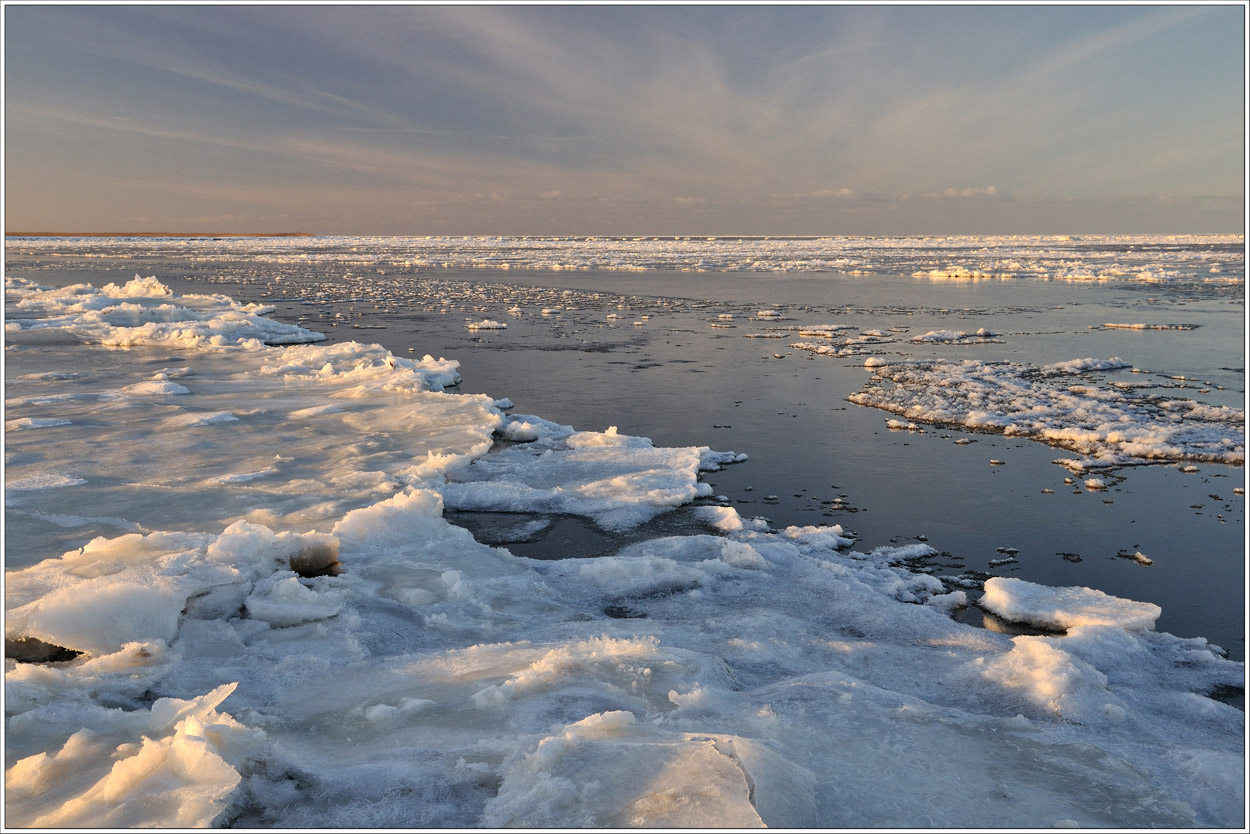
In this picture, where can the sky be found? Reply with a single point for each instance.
(627, 120)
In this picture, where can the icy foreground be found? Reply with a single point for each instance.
(736, 676)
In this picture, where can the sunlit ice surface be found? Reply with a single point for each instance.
(247, 545)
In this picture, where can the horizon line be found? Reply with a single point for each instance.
(673, 236)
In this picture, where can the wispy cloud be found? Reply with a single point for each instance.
(586, 114)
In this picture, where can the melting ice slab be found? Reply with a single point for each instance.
(1064, 608)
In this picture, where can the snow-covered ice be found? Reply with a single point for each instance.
(290, 633)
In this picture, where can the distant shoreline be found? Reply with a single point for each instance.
(159, 234)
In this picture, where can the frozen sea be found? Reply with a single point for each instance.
(914, 516)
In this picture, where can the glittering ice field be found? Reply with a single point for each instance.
(234, 595)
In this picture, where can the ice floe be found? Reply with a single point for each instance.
(1140, 326)
(958, 337)
(1064, 608)
(619, 481)
(486, 324)
(1046, 404)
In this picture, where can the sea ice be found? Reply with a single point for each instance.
(958, 337)
(168, 767)
(86, 314)
(750, 677)
(1213, 259)
(1141, 326)
(618, 480)
(1064, 608)
(1044, 404)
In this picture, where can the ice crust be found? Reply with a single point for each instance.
(741, 677)
(1047, 404)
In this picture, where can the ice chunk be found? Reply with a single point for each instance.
(981, 336)
(172, 767)
(599, 772)
(139, 587)
(742, 555)
(284, 601)
(1064, 608)
(137, 287)
(99, 617)
(1078, 366)
(619, 480)
(727, 519)
(1053, 682)
(1140, 326)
